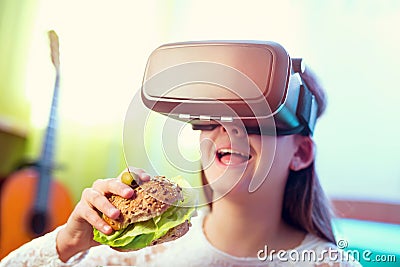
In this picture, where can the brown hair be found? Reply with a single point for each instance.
(305, 205)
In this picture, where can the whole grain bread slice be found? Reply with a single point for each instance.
(149, 200)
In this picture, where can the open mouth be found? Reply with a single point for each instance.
(232, 157)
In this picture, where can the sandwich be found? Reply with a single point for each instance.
(159, 211)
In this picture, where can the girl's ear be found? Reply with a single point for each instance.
(304, 154)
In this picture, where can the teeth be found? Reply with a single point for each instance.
(224, 151)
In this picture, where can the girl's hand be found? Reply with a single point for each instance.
(77, 235)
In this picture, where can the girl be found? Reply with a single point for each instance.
(286, 221)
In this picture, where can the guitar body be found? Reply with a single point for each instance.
(32, 202)
(17, 198)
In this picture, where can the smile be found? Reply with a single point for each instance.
(231, 157)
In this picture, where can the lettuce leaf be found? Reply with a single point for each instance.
(141, 234)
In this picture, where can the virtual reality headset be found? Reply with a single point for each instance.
(209, 83)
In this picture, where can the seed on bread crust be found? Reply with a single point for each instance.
(149, 200)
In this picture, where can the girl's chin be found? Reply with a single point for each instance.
(235, 191)
(225, 180)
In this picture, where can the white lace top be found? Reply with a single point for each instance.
(193, 249)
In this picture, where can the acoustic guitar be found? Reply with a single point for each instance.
(32, 203)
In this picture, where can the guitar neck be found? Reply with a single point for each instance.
(46, 162)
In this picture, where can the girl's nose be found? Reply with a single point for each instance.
(234, 130)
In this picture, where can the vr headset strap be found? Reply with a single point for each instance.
(307, 110)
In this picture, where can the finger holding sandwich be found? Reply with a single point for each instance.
(77, 235)
(96, 197)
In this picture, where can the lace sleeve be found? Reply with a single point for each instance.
(39, 252)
